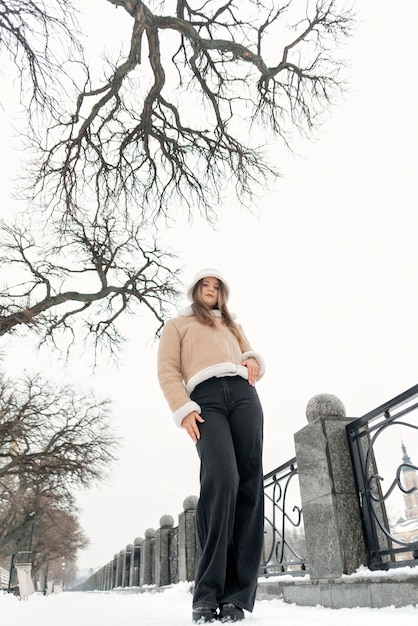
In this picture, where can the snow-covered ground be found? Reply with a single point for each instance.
(172, 607)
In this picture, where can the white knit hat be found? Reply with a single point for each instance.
(208, 271)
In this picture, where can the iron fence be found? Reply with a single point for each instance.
(381, 443)
(284, 543)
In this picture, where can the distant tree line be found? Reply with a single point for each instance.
(52, 440)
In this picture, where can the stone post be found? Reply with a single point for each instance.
(163, 538)
(187, 539)
(331, 512)
(147, 567)
(126, 565)
(101, 580)
(119, 568)
(135, 563)
(108, 576)
(114, 571)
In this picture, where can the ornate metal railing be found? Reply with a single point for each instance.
(388, 488)
(284, 543)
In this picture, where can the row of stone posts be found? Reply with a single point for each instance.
(162, 557)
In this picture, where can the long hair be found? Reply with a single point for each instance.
(204, 314)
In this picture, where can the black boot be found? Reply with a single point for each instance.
(231, 613)
(202, 615)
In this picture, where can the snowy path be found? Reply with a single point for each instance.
(173, 608)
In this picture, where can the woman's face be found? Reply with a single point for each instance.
(209, 290)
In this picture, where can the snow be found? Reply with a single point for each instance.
(400, 573)
(172, 607)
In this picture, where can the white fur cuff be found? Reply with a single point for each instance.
(184, 410)
(258, 358)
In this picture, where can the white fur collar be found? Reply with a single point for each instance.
(187, 311)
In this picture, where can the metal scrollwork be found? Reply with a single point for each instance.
(284, 544)
(389, 542)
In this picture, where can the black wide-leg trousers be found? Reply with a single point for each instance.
(230, 511)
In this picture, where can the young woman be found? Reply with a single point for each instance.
(207, 371)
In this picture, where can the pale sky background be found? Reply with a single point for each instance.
(324, 280)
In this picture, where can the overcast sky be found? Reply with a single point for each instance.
(324, 279)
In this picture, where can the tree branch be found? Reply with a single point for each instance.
(110, 253)
(146, 142)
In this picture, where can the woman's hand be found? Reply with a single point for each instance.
(189, 423)
(253, 370)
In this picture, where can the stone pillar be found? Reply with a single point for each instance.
(187, 539)
(101, 581)
(114, 571)
(331, 512)
(108, 576)
(136, 562)
(147, 568)
(126, 565)
(163, 538)
(120, 561)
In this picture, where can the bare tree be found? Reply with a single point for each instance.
(52, 440)
(51, 435)
(41, 523)
(56, 536)
(40, 40)
(189, 109)
(202, 87)
(93, 273)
